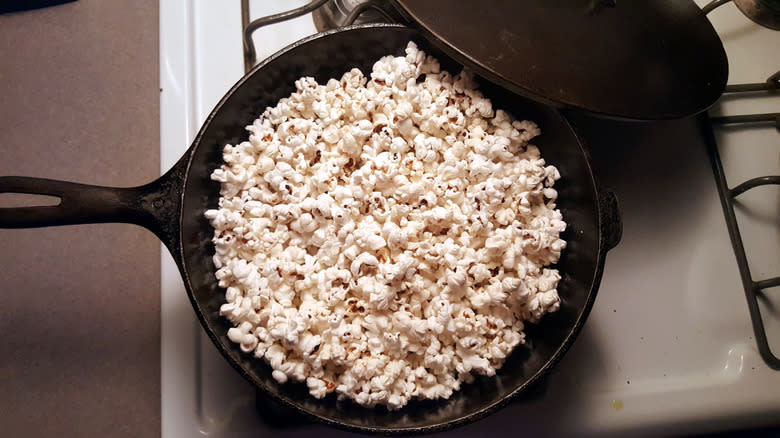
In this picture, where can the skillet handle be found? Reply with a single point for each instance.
(154, 206)
(79, 203)
(611, 219)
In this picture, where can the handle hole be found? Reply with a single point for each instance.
(17, 200)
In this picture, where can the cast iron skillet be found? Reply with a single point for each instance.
(172, 207)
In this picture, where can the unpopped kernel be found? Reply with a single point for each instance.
(385, 238)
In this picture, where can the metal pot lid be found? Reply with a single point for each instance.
(763, 12)
(645, 60)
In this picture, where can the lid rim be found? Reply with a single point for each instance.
(701, 94)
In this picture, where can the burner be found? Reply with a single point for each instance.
(335, 13)
(763, 12)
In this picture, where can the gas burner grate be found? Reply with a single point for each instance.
(754, 289)
(249, 28)
(327, 16)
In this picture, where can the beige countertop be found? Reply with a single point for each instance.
(80, 305)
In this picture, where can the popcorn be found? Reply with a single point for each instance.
(383, 238)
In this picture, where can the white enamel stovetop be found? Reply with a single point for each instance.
(668, 348)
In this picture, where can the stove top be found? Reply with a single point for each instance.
(669, 347)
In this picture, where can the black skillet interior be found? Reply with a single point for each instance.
(325, 57)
